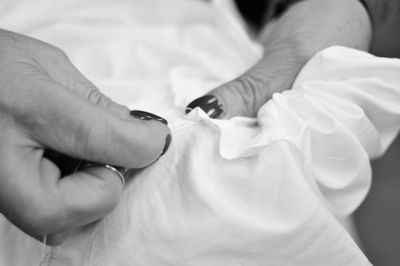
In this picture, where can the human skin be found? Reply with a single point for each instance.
(46, 103)
(306, 28)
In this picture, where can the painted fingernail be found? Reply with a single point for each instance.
(209, 104)
(142, 115)
(167, 143)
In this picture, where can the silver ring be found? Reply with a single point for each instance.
(119, 171)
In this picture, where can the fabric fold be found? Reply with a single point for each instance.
(246, 191)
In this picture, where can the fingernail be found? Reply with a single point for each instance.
(142, 115)
(209, 104)
(167, 143)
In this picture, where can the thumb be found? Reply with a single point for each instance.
(93, 127)
(244, 95)
(49, 115)
(79, 128)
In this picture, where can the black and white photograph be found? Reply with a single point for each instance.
(199, 132)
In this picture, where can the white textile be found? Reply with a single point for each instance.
(263, 191)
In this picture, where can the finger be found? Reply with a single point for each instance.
(304, 29)
(41, 203)
(53, 63)
(244, 95)
(56, 65)
(65, 122)
(63, 72)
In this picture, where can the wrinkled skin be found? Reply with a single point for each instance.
(306, 28)
(46, 103)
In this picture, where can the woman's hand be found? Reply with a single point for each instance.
(303, 30)
(46, 103)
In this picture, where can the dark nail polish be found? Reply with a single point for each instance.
(142, 115)
(167, 143)
(209, 104)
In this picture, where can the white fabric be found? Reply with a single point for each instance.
(264, 191)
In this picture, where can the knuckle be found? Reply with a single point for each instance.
(94, 95)
(248, 90)
(104, 101)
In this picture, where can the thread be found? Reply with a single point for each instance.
(46, 252)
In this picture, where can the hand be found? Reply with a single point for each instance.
(304, 29)
(46, 103)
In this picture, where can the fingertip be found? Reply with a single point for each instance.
(156, 140)
(140, 142)
(244, 95)
(210, 104)
(240, 96)
(146, 116)
(235, 98)
(55, 239)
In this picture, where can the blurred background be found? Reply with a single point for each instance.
(378, 219)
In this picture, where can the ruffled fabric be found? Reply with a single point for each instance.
(246, 191)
